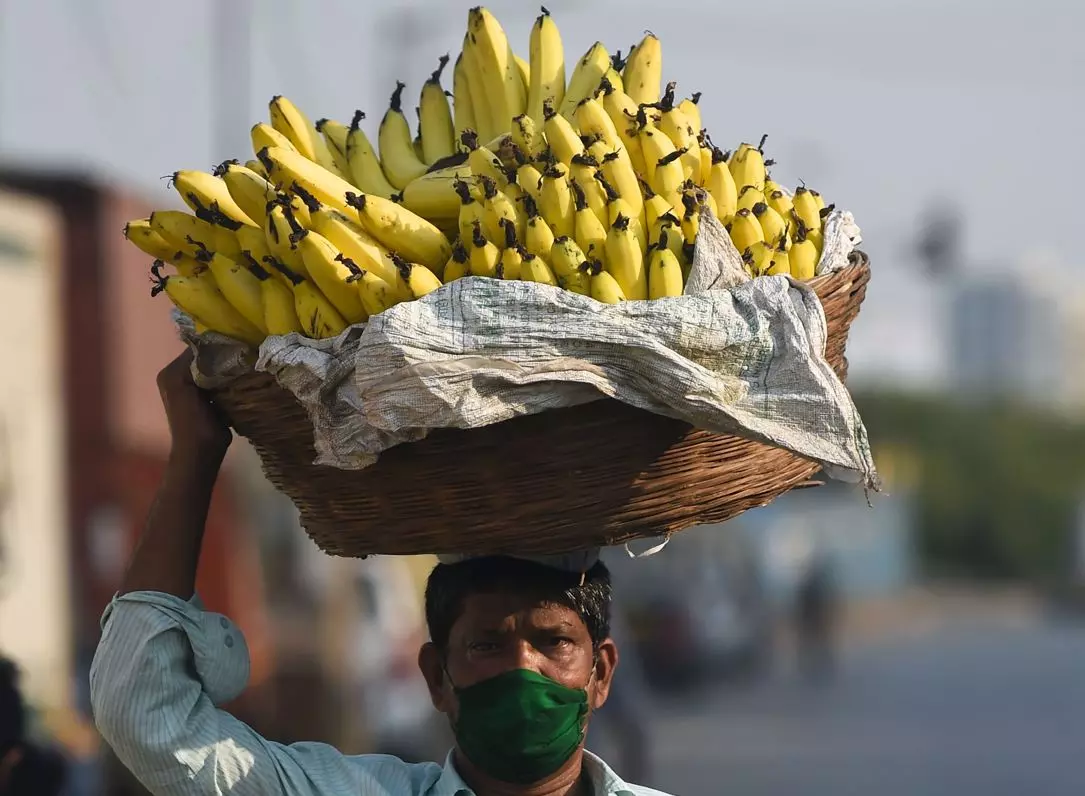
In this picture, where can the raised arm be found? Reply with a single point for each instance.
(164, 664)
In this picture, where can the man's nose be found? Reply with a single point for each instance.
(526, 656)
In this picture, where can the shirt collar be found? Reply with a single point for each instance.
(604, 781)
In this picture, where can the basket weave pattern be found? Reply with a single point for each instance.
(593, 475)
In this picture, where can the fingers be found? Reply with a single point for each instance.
(177, 373)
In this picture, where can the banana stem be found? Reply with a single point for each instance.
(397, 97)
(157, 278)
(436, 76)
(356, 120)
(257, 270)
(295, 279)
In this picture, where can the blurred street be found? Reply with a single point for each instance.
(990, 705)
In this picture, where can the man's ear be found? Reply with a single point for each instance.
(431, 664)
(606, 661)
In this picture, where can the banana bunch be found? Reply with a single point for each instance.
(593, 181)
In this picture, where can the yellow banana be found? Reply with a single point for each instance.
(319, 319)
(584, 81)
(623, 112)
(665, 173)
(538, 236)
(585, 174)
(691, 217)
(335, 140)
(483, 162)
(674, 123)
(529, 179)
(593, 120)
(818, 199)
(484, 256)
(511, 262)
(779, 201)
(692, 109)
(264, 135)
(253, 241)
(463, 103)
(566, 257)
(625, 259)
(816, 236)
(198, 297)
(535, 269)
(250, 190)
(279, 227)
(505, 90)
(238, 286)
(365, 168)
(589, 232)
(140, 234)
(781, 260)
(459, 264)
(360, 247)
(749, 196)
(478, 79)
(547, 79)
(435, 119)
(604, 287)
(803, 258)
(748, 166)
(420, 279)
(664, 274)
(400, 162)
(191, 234)
(209, 197)
(721, 185)
(433, 195)
(671, 237)
(289, 120)
(498, 207)
(772, 223)
(277, 299)
(287, 168)
(471, 210)
(256, 166)
(758, 257)
(643, 73)
(524, 69)
(615, 77)
(330, 274)
(375, 294)
(556, 200)
(806, 207)
(655, 208)
(618, 206)
(745, 231)
(527, 135)
(561, 136)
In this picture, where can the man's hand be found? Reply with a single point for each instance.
(169, 550)
(198, 431)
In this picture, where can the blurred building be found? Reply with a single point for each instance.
(83, 440)
(1015, 336)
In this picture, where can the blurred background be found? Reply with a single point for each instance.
(931, 644)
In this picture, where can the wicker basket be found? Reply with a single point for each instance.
(567, 479)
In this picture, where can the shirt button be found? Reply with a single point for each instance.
(224, 622)
(229, 641)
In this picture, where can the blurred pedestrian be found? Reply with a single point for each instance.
(26, 769)
(815, 615)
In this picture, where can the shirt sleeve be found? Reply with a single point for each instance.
(161, 667)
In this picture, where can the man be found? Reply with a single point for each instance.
(519, 658)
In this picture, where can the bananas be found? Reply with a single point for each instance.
(435, 123)
(547, 68)
(643, 74)
(596, 182)
(399, 160)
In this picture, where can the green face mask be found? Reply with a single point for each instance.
(520, 727)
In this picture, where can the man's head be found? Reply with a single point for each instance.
(491, 616)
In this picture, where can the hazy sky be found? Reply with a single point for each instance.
(882, 104)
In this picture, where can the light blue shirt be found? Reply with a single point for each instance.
(160, 670)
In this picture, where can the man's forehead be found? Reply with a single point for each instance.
(500, 607)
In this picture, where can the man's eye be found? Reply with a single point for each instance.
(561, 641)
(483, 646)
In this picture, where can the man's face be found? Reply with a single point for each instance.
(496, 633)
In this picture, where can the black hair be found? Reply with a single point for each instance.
(450, 585)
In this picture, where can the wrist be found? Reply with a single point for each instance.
(196, 457)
